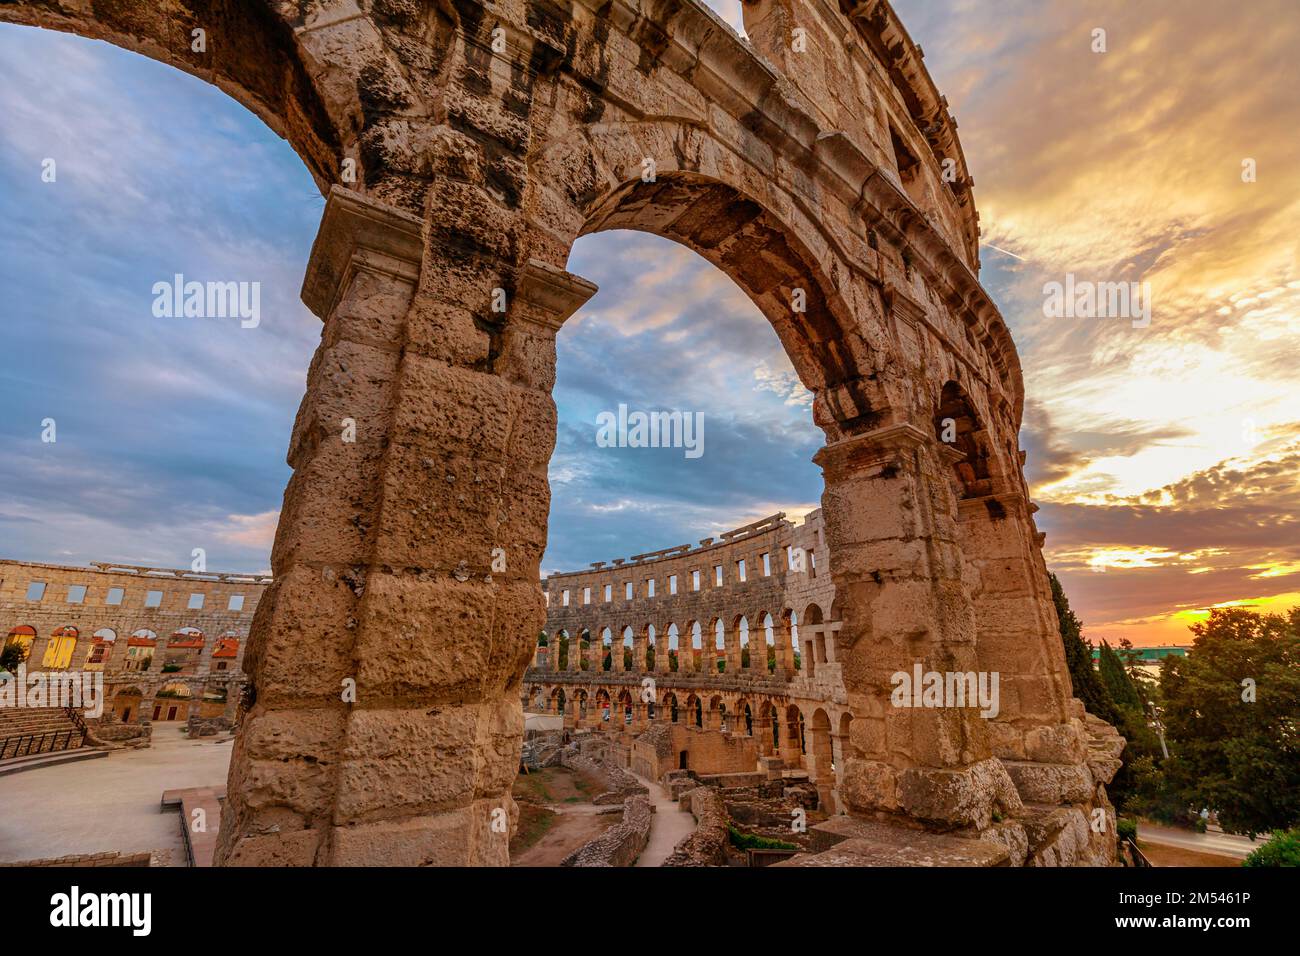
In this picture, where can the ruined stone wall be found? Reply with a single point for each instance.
(622, 843)
(707, 845)
(619, 784)
(696, 587)
(224, 629)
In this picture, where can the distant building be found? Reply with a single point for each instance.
(1147, 656)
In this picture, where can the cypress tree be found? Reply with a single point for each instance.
(1113, 674)
(1088, 687)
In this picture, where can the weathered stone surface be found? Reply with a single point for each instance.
(459, 175)
(869, 843)
(707, 846)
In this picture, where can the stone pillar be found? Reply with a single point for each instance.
(640, 641)
(784, 650)
(419, 456)
(661, 652)
(831, 640)
(889, 524)
(573, 662)
(731, 639)
(763, 733)
(231, 711)
(791, 751)
(1018, 638)
(819, 760)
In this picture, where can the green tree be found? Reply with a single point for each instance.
(1119, 685)
(1232, 706)
(11, 657)
(1078, 658)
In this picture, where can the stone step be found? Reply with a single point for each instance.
(199, 846)
(36, 761)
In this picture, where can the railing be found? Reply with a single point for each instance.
(1136, 857)
(77, 721)
(23, 745)
(46, 741)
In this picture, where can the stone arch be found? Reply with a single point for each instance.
(794, 743)
(584, 649)
(820, 759)
(103, 642)
(669, 707)
(770, 719)
(958, 428)
(717, 713)
(126, 703)
(812, 639)
(744, 716)
(24, 635)
(606, 650)
(673, 648)
(252, 55)
(60, 648)
(696, 647)
(695, 711)
(719, 216)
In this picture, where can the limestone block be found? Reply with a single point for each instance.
(958, 797)
(1050, 783)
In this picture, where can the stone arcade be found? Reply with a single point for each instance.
(830, 175)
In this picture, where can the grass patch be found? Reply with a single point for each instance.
(750, 841)
(534, 822)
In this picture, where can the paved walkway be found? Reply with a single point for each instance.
(1213, 841)
(110, 804)
(669, 826)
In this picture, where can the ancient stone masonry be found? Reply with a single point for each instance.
(719, 660)
(169, 643)
(464, 147)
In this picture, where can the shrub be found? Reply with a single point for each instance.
(1282, 849)
(1128, 829)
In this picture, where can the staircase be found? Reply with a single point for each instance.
(26, 731)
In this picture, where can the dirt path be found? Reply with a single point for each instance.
(575, 826)
(669, 825)
(575, 820)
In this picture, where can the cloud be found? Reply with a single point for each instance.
(1164, 459)
(251, 531)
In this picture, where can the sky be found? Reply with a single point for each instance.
(1165, 459)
